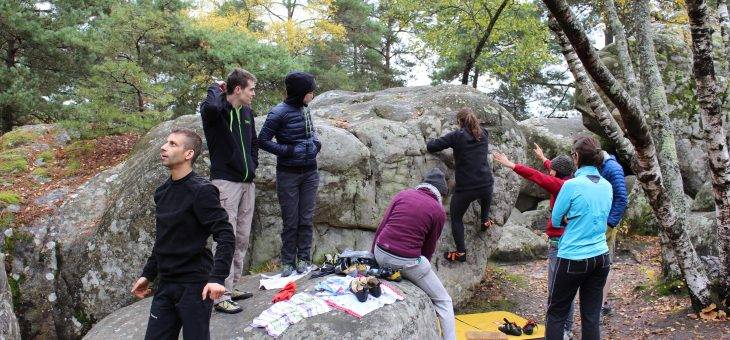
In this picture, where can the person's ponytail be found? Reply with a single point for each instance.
(468, 120)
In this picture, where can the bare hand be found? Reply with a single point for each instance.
(141, 288)
(538, 152)
(214, 290)
(222, 86)
(502, 158)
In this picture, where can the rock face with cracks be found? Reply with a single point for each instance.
(76, 266)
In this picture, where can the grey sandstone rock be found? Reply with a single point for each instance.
(75, 266)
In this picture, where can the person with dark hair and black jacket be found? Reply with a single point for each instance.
(187, 213)
(297, 179)
(473, 176)
(231, 136)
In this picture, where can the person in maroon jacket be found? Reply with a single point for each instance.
(406, 240)
(560, 169)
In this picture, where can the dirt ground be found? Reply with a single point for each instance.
(642, 309)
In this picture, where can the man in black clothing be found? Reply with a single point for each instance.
(231, 136)
(187, 213)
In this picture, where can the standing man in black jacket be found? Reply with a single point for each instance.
(187, 213)
(296, 148)
(231, 136)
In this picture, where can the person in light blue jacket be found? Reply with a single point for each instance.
(582, 208)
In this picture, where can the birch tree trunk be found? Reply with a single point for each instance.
(646, 165)
(623, 48)
(599, 111)
(715, 136)
(662, 132)
(724, 21)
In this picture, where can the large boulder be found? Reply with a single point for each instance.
(8, 323)
(555, 136)
(518, 242)
(704, 201)
(412, 318)
(76, 266)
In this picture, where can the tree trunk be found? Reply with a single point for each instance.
(661, 124)
(472, 58)
(724, 21)
(475, 79)
(598, 108)
(715, 138)
(646, 165)
(622, 45)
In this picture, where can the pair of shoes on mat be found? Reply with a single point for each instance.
(362, 286)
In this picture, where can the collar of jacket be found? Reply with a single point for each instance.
(587, 170)
(432, 189)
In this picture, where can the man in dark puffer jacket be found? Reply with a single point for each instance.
(297, 179)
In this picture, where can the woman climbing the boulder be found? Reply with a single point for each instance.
(583, 263)
(561, 169)
(473, 175)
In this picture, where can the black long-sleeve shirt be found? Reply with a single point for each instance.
(187, 212)
(470, 155)
(231, 138)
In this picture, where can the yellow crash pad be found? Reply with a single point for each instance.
(490, 321)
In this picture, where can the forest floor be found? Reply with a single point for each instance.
(642, 307)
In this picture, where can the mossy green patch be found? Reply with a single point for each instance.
(46, 156)
(72, 167)
(41, 172)
(265, 267)
(12, 161)
(9, 197)
(17, 138)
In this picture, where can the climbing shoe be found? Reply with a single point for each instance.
(606, 310)
(374, 286)
(286, 270)
(302, 266)
(529, 327)
(240, 295)
(228, 307)
(454, 256)
(359, 287)
(510, 328)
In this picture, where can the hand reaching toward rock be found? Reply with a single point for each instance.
(538, 152)
(502, 158)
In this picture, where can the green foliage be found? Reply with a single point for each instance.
(13, 161)
(41, 172)
(16, 138)
(454, 30)
(72, 167)
(46, 156)
(9, 197)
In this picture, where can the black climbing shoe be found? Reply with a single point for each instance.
(359, 287)
(374, 286)
(510, 328)
(529, 327)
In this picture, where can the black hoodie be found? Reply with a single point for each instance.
(472, 169)
(231, 138)
(298, 84)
